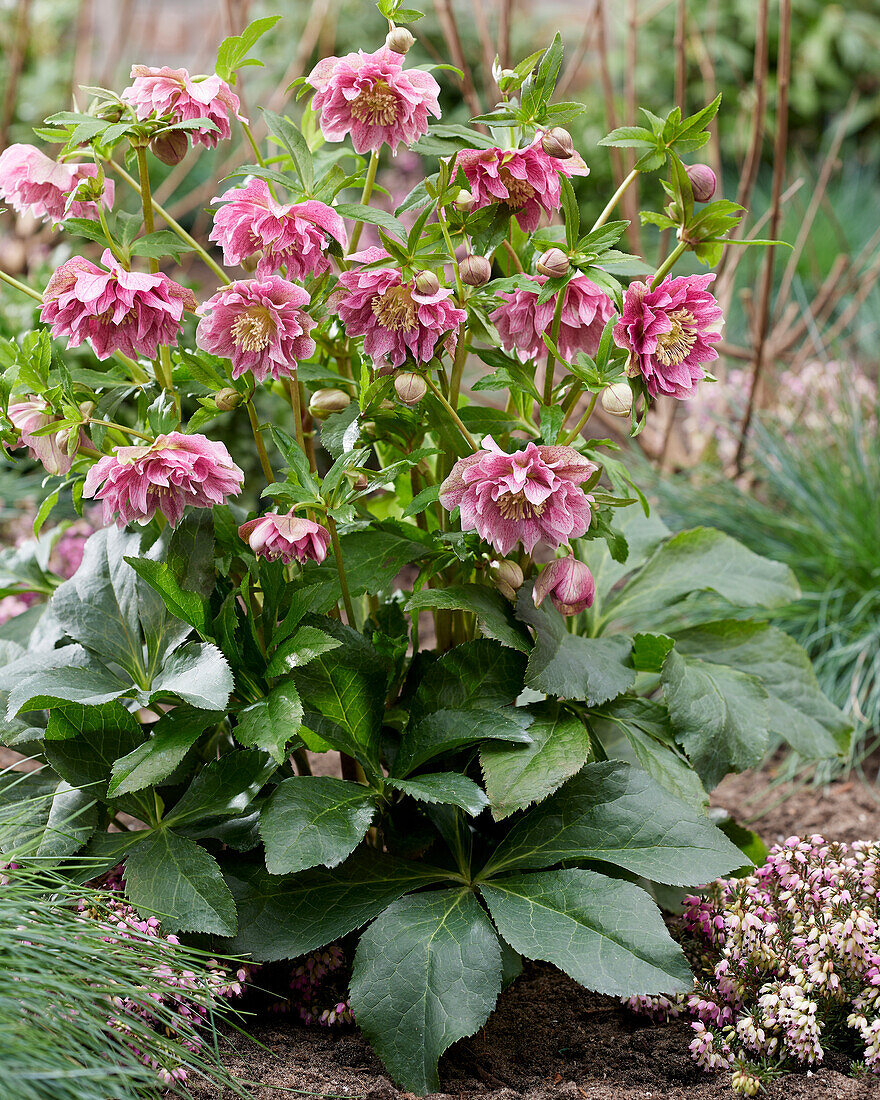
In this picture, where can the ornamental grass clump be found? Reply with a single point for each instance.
(786, 964)
(354, 505)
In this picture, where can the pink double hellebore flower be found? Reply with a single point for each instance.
(49, 450)
(164, 476)
(287, 537)
(32, 183)
(251, 221)
(370, 97)
(118, 310)
(394, 318)
(179, 97)
(259, 325)
(530, 496)
(568, 583)
(521, 322)
(525, 180)
(670, 332)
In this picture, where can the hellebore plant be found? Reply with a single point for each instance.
(424, 566)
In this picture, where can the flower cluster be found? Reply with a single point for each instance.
(788, 963)
(32, 183)
(174, 95)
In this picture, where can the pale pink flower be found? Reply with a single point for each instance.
(259, 325)
(118, 310)
(670, 332)
(394, 318)
(525, 180)
(165, 476)
(252, 222)
(370, 97)
(50, 450)
(32, 183)
(174, 95)
(521, 321)
(568, 583)
(288, 537)
(530, 496)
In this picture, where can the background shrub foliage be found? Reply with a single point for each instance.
(515, 781)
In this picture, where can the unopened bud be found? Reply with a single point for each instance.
(463, 201)
(86, 408)
(170, 147)
(249, 263)
(475, 270)
(553, 263)
(410, 388)
(618, 399)
(674, 211)
(360, 482)
(399, 40)
(508, 577)
(506, 74)
(325, 402)
(703, 181)
(557, 143)
(227, 400)
(427, 283)
(568, 583)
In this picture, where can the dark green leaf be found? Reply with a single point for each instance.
(271, 722)
(223, 788)
(448, 730)
(494, 613)
(444, 788)
(171, 739)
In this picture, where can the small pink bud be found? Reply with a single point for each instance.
(399, 40)
(410, 388)
(463, 201)
(618, 399)
(325, 402)
(553, 263)
(475, 270)
(427, 283)
(703, 181)
(568, 583)
(557, 143)
(508, 577)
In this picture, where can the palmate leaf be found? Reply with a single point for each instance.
(448, 730)
(153, 761)
(478, 675)
(272, 722)
(426, 973)
(223, 788)
(87, 740)
(605, 933)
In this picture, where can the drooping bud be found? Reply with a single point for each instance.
(475, 270)
(618, 399)
(703, 181)
(399, 40)
(427, 283)
(360, 482)
(249, 263)
(326, 402)
(463, 202)
(553, 263)
(508, 577)
(170, 147)
(410, 388)
(557, 143)
(228, 399)
(568, 583)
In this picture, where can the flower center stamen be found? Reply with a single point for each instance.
(518, 191)
(254, 329)
(377, 105)
(518, 506)
(675, 346)
(395, 309)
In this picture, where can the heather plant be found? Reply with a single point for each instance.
(421, 565)
(786, 964)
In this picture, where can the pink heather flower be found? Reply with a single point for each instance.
(669, 333)
(288, 537)
(175, 95)
(529, 496)
(525, 180)
(568, 583)
(164, 476)
(50, 450)
(370, 97)
(259, 325)
(118, 310)
(32, 183)
(393, 317)
(521, 321)
(251, 221)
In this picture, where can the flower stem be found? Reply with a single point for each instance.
(613, 201)
(514, 259)
(365, 198)
(668, 263)
(576, 431)
(340, 569)
(461, 350)
(469, 439)
(37, 297)
(444, 229)
(261, 446)
(120, 428)
(249, 135)
(554, 336)
(294, 396)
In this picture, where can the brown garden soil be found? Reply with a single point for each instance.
(549, 1039)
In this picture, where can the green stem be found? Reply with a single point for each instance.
(461, 350)
(249, 135)
(554, 336)
(294, 396)
(514, 259)
(613, 201)
(120, 428)
(163, 360)
(340, 569)
(469, 439)
(37, 297)
(444, 229)
(174, 226)
(365, 198)
(572, 435)
(261, 446)
(114, 247)
(669, 262)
